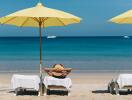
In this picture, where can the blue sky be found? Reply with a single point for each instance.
(94, 13)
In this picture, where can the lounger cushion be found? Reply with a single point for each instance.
(124, 80)
(25, 81)
(51, 81)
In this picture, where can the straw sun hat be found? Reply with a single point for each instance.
(58, 67)
(58, 71)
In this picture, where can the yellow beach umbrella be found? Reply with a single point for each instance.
(125, 18)
(39, 16)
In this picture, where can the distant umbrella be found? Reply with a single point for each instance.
(125, 18)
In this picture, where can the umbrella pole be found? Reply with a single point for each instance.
(41, 80)
(40, 30)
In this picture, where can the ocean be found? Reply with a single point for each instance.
(83, 54)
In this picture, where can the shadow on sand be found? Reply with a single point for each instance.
(122, 92)
(26, 93)
(35, 93)
(57, 92)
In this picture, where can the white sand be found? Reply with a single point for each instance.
(85, 87)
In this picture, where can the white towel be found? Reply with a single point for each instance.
(124, 80)
(66, 82)
(25, 81)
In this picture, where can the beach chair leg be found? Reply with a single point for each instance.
(111, 89)
(24, 90)
(16, 92)
(129, 90)
(45, 94)
(48, 91)
(45, 91)
(116, 89)
(38, 93)
(68, 94)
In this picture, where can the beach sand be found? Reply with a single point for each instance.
(90, 86)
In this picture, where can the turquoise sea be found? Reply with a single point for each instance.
(89, 54)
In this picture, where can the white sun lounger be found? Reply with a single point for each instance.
(52, 83)
(22, 82)
(124, 81)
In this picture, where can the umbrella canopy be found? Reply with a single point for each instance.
(125, 18)
(39, 16)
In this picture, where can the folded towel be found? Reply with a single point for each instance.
(66, 82)
(25, 81)
(124, 80)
